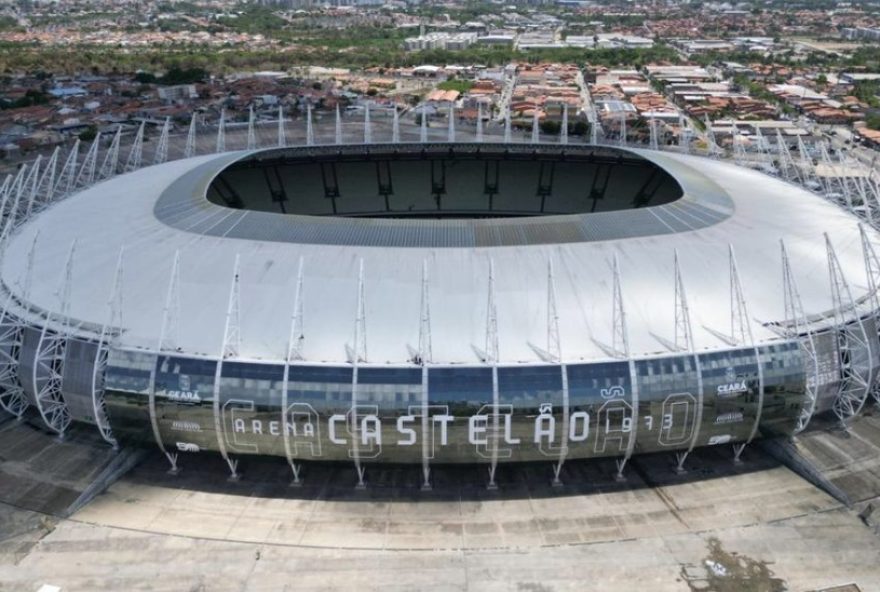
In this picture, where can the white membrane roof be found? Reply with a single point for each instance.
(756, 212)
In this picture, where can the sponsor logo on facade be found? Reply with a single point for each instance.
(735, 385)
(723, 439)
(732, 417)
(185, 426)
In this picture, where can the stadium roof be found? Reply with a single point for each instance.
(157, 211)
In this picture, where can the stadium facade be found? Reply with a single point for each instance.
(435, 303)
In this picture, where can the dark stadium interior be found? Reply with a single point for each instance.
(443, 181)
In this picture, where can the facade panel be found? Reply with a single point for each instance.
(668, 398)
(731, 395)
(76, 385)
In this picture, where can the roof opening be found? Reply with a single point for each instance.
(443, 181)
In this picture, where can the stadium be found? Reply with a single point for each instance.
(432, 303)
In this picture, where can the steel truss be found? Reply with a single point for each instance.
(358, 354)
(872, 272)
(368, 127)
(741, 335)
(168, 339)
(554, 354)
(491, 357)
(12, 396)
(189, 149)
(136, 153)
(423, 128)
(425, 358)
(48, 370)
(853, 343)
(110, 164)
(536, 129)
(797, 327)
(161, 154)
(251, 133)
(450, 131)
(395, 126)
(221, 133)
(684, 341)
(102, 353)
(230, 348)
(86, 174)
(310, 132)
(294, 354)
(563, 129)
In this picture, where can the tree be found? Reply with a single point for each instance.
(88, 134)
(550, 127)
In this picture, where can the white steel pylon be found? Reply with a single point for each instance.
(536, 130)
(294, 353)
(67, 177)
(11, 210)
(230, 348)
(425, 358)
(282, 134)
(786, 163)
(423, 127)
(563, 128)
(854, 345)
(685, 138)
(554, 348)
(797, 327)
(741, 333)
(136, 153)
(337, 132)
(594, 131)
(711, 144)
(168, 341)
(479, 136)
(189, 149)
(48, 364)
(763, 147)
(620, 344)
(653, 141)
(368, 127)
(310, 132)
(161, 154)
(358, 355)
(739, 148)
(829, 181)
(450, 130)
(621, 128)
(395, 126)
(110, 165)
(251, 131)
(109, 328)
(807, 169)
(683, 334)
(872, 272)
(32, 184)
(684, 340)
(23, 194)
(220, 145)
(86, 174)
(492, 355)
(507, 130)
(12, 396)
(46, 185)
